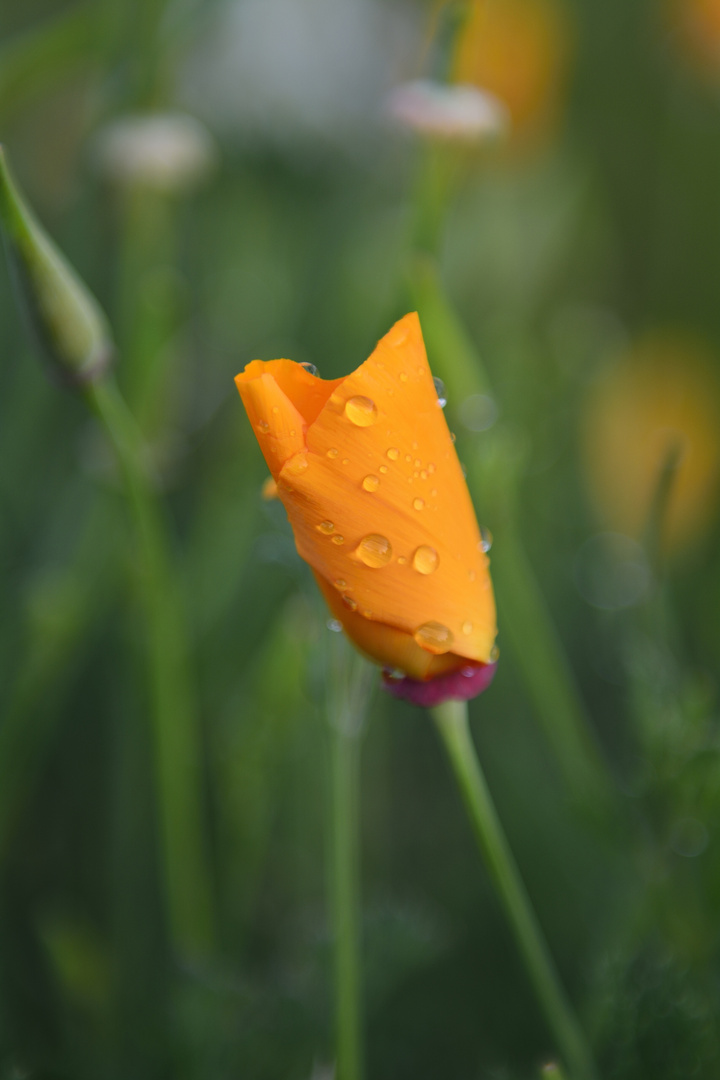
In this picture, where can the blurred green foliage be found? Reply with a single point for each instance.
(554, 256)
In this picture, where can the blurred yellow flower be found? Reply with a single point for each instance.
(660, 397)
(695, 29)
(368, 474)
(518, 50)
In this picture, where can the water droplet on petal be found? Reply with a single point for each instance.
(486, 539)
(431, 467)
(423, 475)
(403, 377)
(264, 427)
(340, 583)
(394, 673)
(338, 539)
(467, 628)
(325, 527)
(417, 463)
(310, 368)
(452, 436)
(434, 637)
(393, 453)
(468, 671)
(383, 469)
(408, 458)
(402, 560)
(335, 625)
(440, 391)
(361, 411)
(374, 550)
(333, 452)
(425, 559)
(494, 654)
(297, 464)
(418, 504)
(346, 461)
(350, 603)
(371, 483)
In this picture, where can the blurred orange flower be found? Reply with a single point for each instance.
(662, 396)
(518, 50)
(368, 474)
(695, 28)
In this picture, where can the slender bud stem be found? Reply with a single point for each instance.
(349, 685)
(452, 723)
(177, 749)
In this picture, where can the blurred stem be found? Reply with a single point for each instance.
(177, 741)
(539, 653)
(349, 685)
(524, 617)
(452, 723)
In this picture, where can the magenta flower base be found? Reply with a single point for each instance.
(461, 685)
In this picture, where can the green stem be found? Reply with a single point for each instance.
(452, 723)
(524, 617)
(176, 737)
(349, 691)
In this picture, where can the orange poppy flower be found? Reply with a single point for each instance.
(368, 474)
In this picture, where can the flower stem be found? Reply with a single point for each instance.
(176, 737)
(347, 701)
(452, 723)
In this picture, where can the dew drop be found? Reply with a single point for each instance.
(394, 672)
(434, 637)
(467, 628)
(371, 483)
(402, 560)
(275, 410)
(468, 671)
(425, 559)
(486, 538)
(494, 654)
(264, 427)
(374, 550)
(335, 625)
(338, 539)
(383, 469)
(418, 504)
(340, 583)
(403, 377)
(408, 458)
(310, 368)
(423, 475)
(350, 603)
(452, 436)
(431, 467)
(297, 464)
(418, 463)
(361, 411)
(333, 452)
(393, 453)
(325, 527)
(440, 391)
(346, 461)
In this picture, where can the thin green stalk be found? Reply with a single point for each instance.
(452, 723)
(524, 617)
(176, 737)
(349, 685)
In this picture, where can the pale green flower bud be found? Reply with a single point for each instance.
(66, 318)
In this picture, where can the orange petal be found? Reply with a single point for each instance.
(377, 499)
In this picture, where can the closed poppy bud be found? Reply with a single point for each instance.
(376, 497)
(66, 318)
